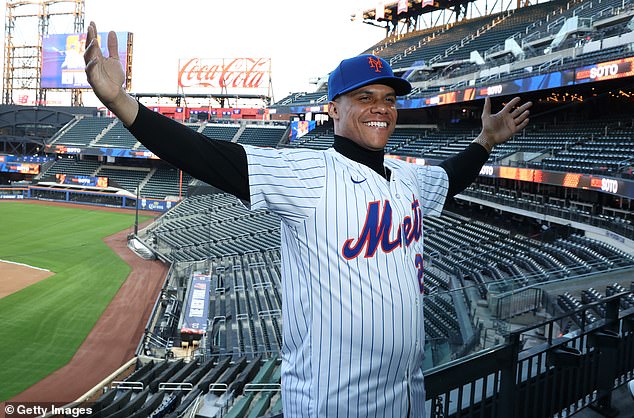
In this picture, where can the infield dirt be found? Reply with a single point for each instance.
(15, 277)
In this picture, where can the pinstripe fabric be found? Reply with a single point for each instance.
(353, 330)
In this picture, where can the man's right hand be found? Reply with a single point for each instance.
(106, 76)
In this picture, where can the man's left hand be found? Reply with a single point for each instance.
(498, 128)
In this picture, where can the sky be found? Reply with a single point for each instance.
(304, 39)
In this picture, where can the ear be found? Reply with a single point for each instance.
(332, 110)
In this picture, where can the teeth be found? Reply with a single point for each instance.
(377, 124)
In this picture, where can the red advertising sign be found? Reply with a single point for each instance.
(229, 73)
(606, 70)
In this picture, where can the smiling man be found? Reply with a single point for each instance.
(351, 231)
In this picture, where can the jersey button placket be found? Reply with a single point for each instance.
(400, 212)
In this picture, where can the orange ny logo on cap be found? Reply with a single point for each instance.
(375, 63)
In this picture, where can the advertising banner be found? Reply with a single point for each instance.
(232, 74)
(105, 151)
(24, 168)
(196, 310)
(156, 205)
(63, 58)
(82, 180)
(608, 70)
(615, 186)
(602, 71)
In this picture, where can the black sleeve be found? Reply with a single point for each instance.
(463, 168)
(222, 164)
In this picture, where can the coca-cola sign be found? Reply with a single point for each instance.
(229, 73)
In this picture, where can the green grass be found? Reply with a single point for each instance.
(43, 325)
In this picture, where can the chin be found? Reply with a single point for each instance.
(378, 144)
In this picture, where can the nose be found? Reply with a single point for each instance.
(380, 107)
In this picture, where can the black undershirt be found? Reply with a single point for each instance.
(223, 164)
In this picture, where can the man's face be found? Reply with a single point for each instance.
(366, 115)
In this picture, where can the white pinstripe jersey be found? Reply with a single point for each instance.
(352, 299)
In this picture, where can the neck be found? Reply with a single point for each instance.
(355, 152)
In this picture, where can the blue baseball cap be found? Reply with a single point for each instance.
(362, 70)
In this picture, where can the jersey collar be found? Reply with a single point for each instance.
(355, 152)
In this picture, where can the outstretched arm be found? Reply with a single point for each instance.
(500, 127)
(222, 164)
(106, 76)
(463, 168)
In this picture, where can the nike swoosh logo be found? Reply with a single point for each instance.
(357, 181)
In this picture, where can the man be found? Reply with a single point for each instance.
(352, 247)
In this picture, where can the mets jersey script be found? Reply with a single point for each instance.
(352, 260)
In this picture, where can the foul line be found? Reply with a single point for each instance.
(25, 265)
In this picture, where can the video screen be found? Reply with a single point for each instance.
(63, 58)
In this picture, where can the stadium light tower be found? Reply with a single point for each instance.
(23, 54)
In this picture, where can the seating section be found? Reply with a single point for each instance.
(128, 179)
(455, 43)
(166, 182)
(72, 167)
(169, 388)
(245, 313)
(322, 137)
(567, 302)
(81, 132)
(433, 48)
(245, 306)
(117, 136)
(616, 220)
(262, 136)
(441, 55)
(241, 253)
(213, 226)
(595, 152)
(496, 260)
(303, 98)
(597, 147)
(223, 132)
(319, 131)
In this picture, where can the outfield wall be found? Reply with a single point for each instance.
(85, 197)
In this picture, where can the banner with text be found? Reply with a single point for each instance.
(227, 75)
(24, 168)
(78, 180)
(194, 319)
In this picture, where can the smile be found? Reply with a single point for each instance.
(376, 124)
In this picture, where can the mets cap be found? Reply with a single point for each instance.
(363, 70)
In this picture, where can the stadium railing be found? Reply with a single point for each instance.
(558, 377)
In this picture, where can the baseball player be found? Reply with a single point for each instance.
(352, 238)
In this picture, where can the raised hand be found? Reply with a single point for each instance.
(106, 76)
(498, 128)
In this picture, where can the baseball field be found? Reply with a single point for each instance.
(43, 323)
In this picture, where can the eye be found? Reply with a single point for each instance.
(391, 100)
(364, 99)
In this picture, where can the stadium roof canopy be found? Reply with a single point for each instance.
(414, 8)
